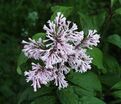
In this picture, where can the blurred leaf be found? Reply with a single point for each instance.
(6, 91)
(118, 11)
(88, 81)
(67, 96)
(117, 94)
(39, 35)
(113, 2)
(24, 96)
(110, 79)
(90, 100)
(116, 101)
(63, 9)
(92, 21)
(97, 56)
(32, 18)
(45, 100)
(111, 63)
(115, 39)
(29, 94)
(22, 59)
(117, 86)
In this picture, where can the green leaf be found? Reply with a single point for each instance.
(97, 56)
(113, 2)
(117, 86)
(117, 94)
(19, 70)
(39, 35)
(63, 9)
(29, 94)
(41, 92)
(118, 11)
(82, 92)
(22, 59)
(24, 95)
(92, 21)
(45, 100)
(108, 80)
(88, 81)
(67, 96)
(111, 63)
(115, 39)
(116, 101)
(90, 100)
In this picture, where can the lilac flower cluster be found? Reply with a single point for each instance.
(63, 49)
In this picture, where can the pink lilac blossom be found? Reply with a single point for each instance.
(80, 61)
(92, 39)
(39, 75)
(32, 49)
(60, 80)
(64, 49)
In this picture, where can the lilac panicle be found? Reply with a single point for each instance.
(65, 49)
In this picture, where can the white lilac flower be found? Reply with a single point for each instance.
(64, 49)
(76, 37)
(57, 54)
(62, 68)
(51, 58)
(32, 49)
(60, 80)
(38, 75)
(80, 61)
(92, 39)
(62, 30)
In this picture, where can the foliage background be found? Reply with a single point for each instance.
(20, 19)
